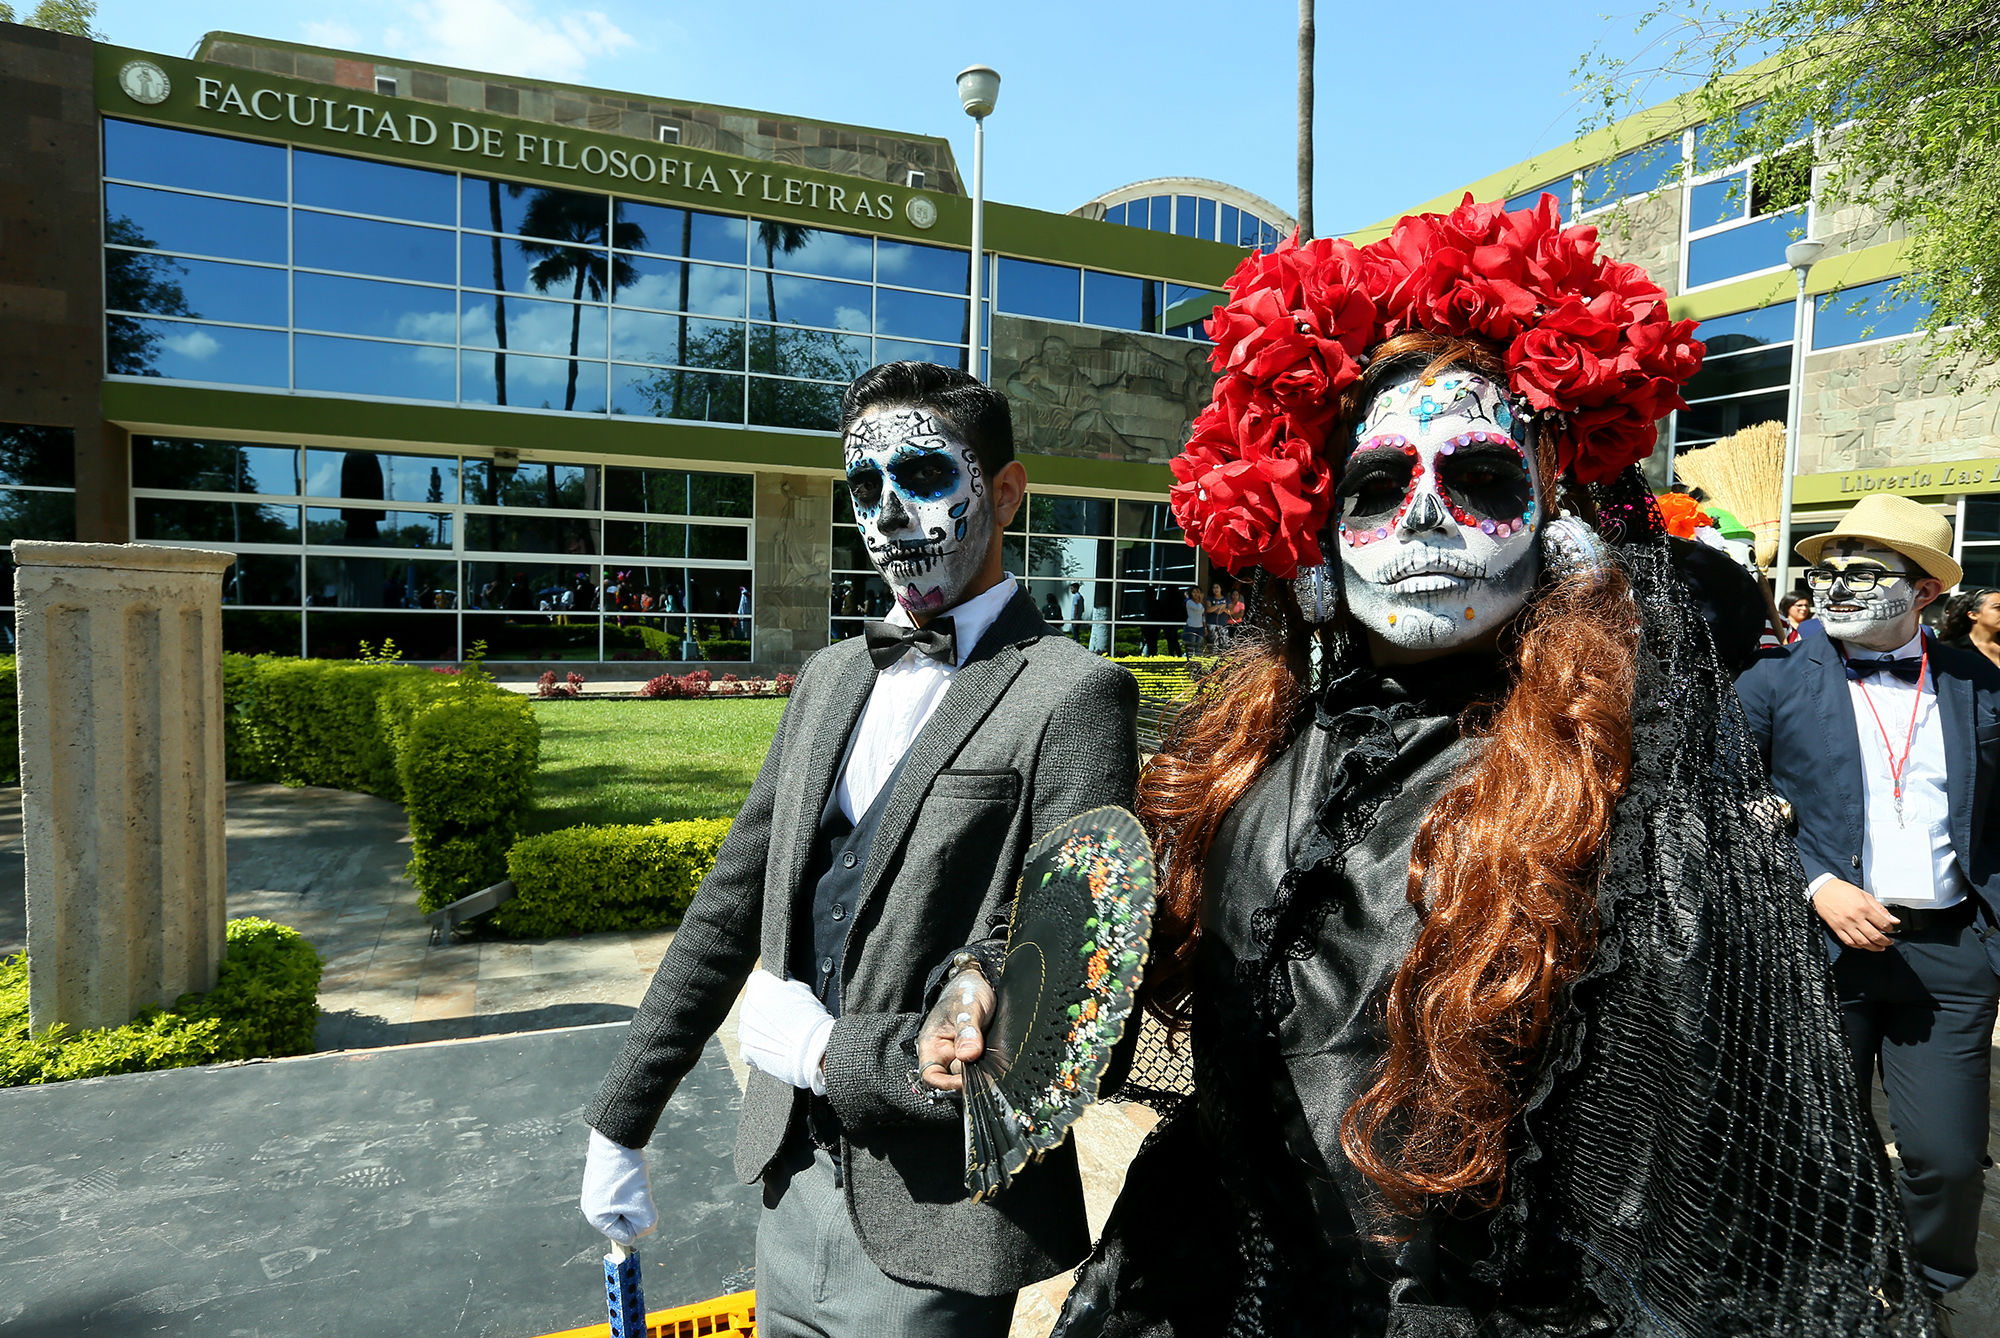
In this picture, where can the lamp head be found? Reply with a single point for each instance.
(1804, 254)
(978, 89)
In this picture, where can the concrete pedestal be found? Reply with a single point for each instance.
(120, 668)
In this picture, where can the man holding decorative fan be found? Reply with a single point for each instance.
(876, 855)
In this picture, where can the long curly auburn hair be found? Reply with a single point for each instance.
(1503, 865)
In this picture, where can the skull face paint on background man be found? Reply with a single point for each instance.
(1882, 617)
(922, 505)
(1437, 516)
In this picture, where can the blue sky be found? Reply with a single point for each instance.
(1411, 100)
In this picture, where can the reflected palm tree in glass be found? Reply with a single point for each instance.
(777, 239)
(563, 229)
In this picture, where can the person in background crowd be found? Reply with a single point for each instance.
(1972, 622)
(1235, 613)
(1799, 622)
(876, 855)
(1886, 742)
(1197, 618)
(742, 613)
(1160, 625)
(1074, 617)
(1216, 615)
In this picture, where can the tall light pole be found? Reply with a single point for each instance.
(1800, 256)
(978, 89)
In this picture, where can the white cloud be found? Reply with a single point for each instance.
(195, 345)
(507, 37)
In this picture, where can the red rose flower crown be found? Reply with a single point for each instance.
(1590, 352)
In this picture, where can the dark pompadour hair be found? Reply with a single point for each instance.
(975, 411)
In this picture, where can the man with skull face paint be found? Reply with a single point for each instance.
(1887, 744)
(1482, 924)
(875, 861)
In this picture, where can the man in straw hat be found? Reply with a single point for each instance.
(1887, 743)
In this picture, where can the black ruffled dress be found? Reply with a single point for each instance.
(1691, 1158)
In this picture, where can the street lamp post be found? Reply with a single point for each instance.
(1800, 256)
(978, 89)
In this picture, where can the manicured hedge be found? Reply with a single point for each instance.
(10, 724)
(1163, 675)
(265, 1003)
(456, 750)
(594, 879)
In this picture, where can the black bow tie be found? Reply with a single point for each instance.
(887, 641)
(1909, 670)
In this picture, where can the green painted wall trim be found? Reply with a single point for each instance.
(141, 406)
(1930, 479)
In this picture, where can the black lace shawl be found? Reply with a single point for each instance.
(1693, 1158)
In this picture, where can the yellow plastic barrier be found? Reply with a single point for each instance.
(735, 1315)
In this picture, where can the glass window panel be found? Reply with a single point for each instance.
(676, 285)
(371, 367)
(794, 301)
(530, 532)
(1719, 418)
(849, 552)
(214, 522)
(815, 354)
(843, 506)
(1120, 301)
(533, 211)
(420, 636)
(1714, 202)
(1049, 513)
(1715, 142)
(539, 485)
(1147, 520)
(373, 476)
(522, 586)
(667, 231)
(1749, 249)
(262, 578)
(677, 492)
(1151, 562)
(1188, 305)
(645, 539)
(1630, 173)
(258, 632)
(655, 392)
(805, 405)
(1982, 521)
(199, 162)
(920, 316)
(214, 466)
(647, 336)
(165, 221)
(32, 515)
(365, 187)
(1185, 216)
(909, 265)
(1205, 218)
(1267, 235)
(1030, 288)
(718, 543)
(1982, 568)
(531, 383)
(531, 326)
(363, 246)
(180, 351)
(1756, 369)
(368, 527)
(1881, 314)
(43, 457)
(1161, 214)
(800, 250)
(946, 355)
(712, 590)
(1231, 224)
(136, 281)
(1115, 214)
(1746, 329)
(516, 266)
(1528, 199)
(374, 307)
(858, 596)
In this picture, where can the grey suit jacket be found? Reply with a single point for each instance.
(1032, 731)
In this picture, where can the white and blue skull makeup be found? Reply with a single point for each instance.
(921, 504)
(1865, 593)
(1437, 514)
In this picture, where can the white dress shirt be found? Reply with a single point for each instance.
(1907, 858)
(906, 693)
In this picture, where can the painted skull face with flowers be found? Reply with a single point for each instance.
(1436, 515)
(921, 504)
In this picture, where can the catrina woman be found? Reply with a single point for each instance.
(1507, 1014)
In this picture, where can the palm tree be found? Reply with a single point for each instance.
(499, 294)
(1305, 118)
(778, 239)
(560, 225)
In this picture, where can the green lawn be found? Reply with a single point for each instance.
(634, 761)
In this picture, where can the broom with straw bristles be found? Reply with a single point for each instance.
(1745, 474)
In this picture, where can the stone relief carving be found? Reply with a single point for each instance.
(1100, 394)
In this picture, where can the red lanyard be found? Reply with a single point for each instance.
(1897, 768)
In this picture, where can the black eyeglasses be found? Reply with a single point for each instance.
(1858, 579)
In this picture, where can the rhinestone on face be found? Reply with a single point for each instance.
(1488, 526)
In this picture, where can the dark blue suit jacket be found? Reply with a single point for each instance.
(1803, 718)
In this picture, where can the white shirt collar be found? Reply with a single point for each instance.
(1909, 650)
(969, 617)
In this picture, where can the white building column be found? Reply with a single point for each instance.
(120, 680)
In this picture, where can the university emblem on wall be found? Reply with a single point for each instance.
(920, 211)
(144, 82)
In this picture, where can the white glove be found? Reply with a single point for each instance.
(616, 1198)
(783, 1030)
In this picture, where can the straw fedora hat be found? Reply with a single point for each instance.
(1917, 532)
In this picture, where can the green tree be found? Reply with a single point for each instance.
(1901, 101)
(135, 281)
(60, 16)
(565, 231)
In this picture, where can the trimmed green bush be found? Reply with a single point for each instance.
(467, 766)
(317, 722)
(10, 724)
(594, 879)
(1164, 675)
(265, 1003)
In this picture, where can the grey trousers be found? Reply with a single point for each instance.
(814, 1280)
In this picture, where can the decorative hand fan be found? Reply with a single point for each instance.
(1076, 949)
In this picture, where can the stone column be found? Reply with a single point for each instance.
(793, 549)
(120, 670)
